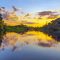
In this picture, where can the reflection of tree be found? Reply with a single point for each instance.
(53, 29)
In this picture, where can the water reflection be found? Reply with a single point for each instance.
(12, 39)
(52, 29)
(31, 52)
(32, 45)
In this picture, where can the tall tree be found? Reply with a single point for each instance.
(1, 28)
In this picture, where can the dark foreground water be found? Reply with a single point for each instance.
(31, 52)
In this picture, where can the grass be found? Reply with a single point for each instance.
(18, 29)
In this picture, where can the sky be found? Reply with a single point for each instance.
(32, 5)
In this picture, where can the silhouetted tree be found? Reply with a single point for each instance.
(1, 28)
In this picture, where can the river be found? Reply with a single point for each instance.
(32, 45)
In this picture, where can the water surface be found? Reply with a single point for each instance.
(32, 45)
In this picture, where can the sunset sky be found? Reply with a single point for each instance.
(32, 5)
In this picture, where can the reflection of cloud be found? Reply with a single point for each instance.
(16, 40)
(49, 44)
(44, 44)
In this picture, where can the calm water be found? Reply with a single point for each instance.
(32, 45)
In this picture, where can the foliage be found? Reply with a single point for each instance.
(18, 29)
